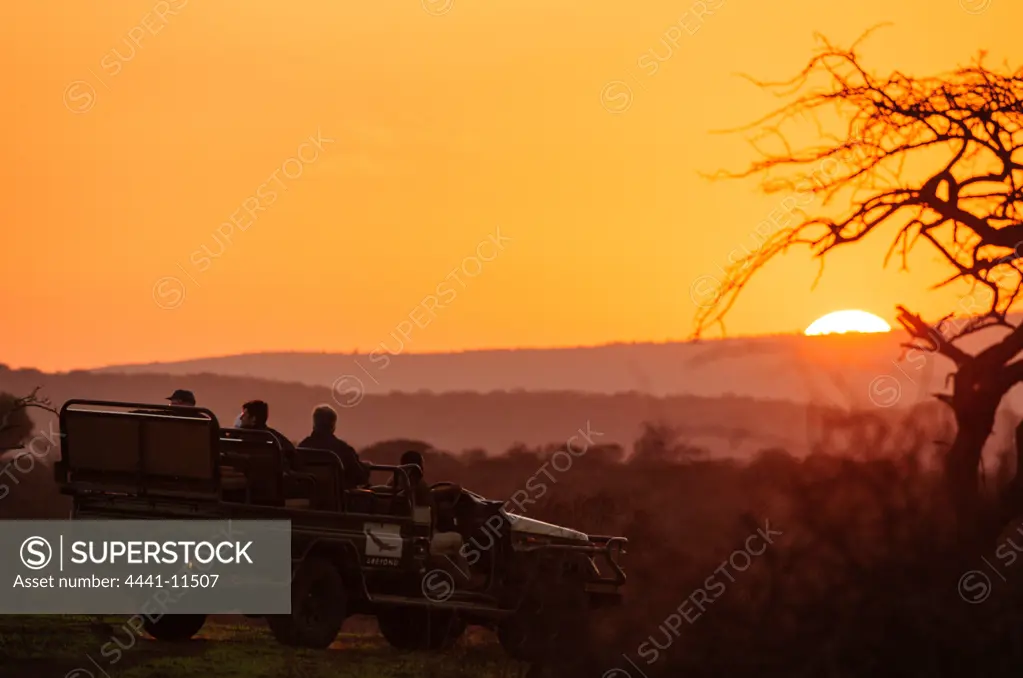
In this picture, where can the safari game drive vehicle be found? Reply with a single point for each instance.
(424, 574)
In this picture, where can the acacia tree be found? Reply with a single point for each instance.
(15, 423)
(935, 162)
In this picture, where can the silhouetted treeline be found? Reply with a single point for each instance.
(725, 427)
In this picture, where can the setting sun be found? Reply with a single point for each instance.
(841, 322)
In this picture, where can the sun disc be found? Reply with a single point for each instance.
(841, 322)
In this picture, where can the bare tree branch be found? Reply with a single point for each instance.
(931, 337)
(19, 404)
(938, 162)
(966, 125)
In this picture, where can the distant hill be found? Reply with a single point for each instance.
(843, 370)
(726, 426)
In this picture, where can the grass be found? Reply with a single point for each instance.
(91, 647)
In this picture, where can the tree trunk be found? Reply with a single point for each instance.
(962, 470)
(975, 404)
(1010, 504)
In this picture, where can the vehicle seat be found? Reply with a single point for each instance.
(384, 503)
(328, 471)
(232, 479)
(359, 501)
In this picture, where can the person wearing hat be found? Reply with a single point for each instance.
(182, 397)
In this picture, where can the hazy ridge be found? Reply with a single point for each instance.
(733, 397)
(736, 426)
(849, 370)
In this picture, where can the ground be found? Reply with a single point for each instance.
(94, 647)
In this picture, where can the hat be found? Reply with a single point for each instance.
(183, 395)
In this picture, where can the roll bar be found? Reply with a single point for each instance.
(158, 410)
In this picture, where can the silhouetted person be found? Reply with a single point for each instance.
(255, 414)
(420, 489)
(182, 397)
(323, 438)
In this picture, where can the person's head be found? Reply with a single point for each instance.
(324, 418)
(412, 457)
(255, 414)
(182, 397)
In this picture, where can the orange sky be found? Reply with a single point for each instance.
(440, 130)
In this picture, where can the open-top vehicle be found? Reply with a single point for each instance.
(425, 572)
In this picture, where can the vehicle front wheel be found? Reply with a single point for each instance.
(318, 607)
(174, 627)
(418, 628)
(551, 622)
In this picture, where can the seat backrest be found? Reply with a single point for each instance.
(379, 502)
(329, 472)
(178, 447)
(360, 501)
(401, 505)
(139, 452)
(258, 455)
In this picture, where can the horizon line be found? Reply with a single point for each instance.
(490, 349)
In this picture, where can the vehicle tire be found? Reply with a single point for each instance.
(445, 630)
(174, 627)
(318, 607)
(419, 628)
(552, 622)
